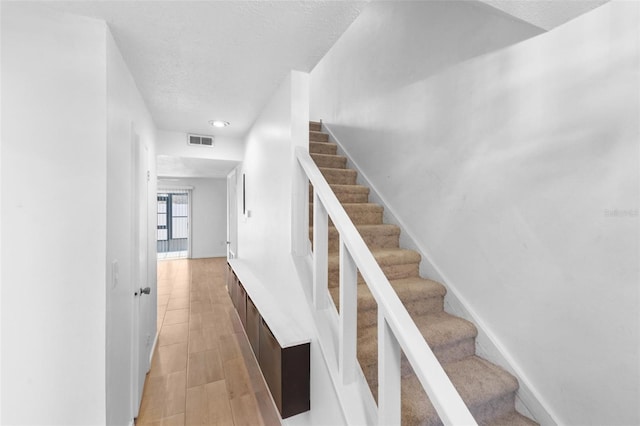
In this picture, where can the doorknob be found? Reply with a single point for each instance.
(146, 290)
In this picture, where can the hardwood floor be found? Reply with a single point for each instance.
(203, 371)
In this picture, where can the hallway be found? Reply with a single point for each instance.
(203, 370)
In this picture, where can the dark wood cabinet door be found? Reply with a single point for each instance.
(285, 370)
(270, 360)
(242, 305)
(253, 326)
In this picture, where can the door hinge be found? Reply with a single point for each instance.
(148, 175)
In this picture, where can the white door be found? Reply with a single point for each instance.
(232, 215)
(142, 297)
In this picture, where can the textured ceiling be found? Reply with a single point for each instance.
(545, 14)
(195, 61)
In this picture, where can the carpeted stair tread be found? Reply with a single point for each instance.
(418, 283)
(395, 256)
(348, 193)
(416, 294)
(395, 263)
(322, 148)
(411, 291)
(318, 136)
(407, 289)
(375, 236)
(485, 388)
(359, 213)
(315, 126)
(364, 213)
(450, 338)
(339, 176)
(511, 419)
(359, 189)
(392, 256)
(330, 160)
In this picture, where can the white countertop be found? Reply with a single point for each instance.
(281, 322)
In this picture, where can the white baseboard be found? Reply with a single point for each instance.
(528, 400)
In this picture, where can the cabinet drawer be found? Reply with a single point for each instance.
(270, 360)
(287, 373)
(296, 377)
(241, 306)
(233, 289)
(230, 278)
(253, 326)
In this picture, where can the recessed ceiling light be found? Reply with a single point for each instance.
(218, 123)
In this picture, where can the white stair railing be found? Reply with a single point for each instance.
(396, 330)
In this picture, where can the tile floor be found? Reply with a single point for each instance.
(203, 371)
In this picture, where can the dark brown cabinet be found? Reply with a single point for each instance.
(253, 326)
(232, 284)
(285, 370)
(241, 307)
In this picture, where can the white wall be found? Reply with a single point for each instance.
(54, 181)
(395, 43)
(69, 108)
(208, 214)
(127, 118)
(504, 168)
(264, 238)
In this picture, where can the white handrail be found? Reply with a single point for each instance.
(441, 392)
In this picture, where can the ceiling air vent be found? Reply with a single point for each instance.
(200, 140)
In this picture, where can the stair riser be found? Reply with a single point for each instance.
(368, 317)
(346, 197)
(481, 414)
(315, 126)
(364, 215)
(323, 148)
(451, 353)
(318, 137)
(370, 238)
(352, 197)
(392, 272)
(339, 176)
(455, 351)
(418, 302)
(334, 162)
(495, 408)
(359, 216)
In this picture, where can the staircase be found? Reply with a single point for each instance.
(488, 390)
